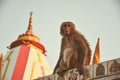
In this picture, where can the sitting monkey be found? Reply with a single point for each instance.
(75, 51)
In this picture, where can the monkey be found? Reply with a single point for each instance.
(75, 51)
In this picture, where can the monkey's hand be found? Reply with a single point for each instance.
(60, 72)
(80, 69)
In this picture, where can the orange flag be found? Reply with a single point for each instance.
(96, 57)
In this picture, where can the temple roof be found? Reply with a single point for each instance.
(28, 38)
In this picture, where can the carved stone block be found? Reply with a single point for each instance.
(114, 66)
(100, 69)
(88, 72)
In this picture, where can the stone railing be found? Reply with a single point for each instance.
(108, 70)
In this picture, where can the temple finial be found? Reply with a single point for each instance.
(29, 30)
(31, 13)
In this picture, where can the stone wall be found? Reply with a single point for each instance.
(108, 70)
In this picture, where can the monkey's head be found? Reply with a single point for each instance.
(67, 28)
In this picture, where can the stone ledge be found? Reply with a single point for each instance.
(103, 71)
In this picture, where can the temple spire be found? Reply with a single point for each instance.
(29, 30)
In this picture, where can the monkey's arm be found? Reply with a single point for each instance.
(81, 52)
(57, 65)
(80, 47)
(60, 56)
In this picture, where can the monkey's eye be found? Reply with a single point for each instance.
(68, 25)
(64, 26)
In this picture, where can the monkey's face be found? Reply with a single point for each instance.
(66, 29)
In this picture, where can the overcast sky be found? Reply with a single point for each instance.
(93, 18)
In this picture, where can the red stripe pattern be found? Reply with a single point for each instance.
(21, 62)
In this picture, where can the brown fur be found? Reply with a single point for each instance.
(75, 51)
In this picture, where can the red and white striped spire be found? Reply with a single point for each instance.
(28, 38)
(26, 59)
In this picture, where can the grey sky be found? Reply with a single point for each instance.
(93, 18)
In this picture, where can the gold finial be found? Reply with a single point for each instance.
(29, 30)
(98, 38)
(30, 21)
(31, 13)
